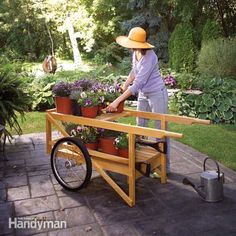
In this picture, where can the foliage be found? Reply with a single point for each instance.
(13, 99)
(112, 53)
(211, 30)
(41, 93)
(217, 58)
(85, 134)
(217, 103)
(107, 133)
(122, 141)
(182, 50)
(62, 89)
(88, 99)
(186, 80)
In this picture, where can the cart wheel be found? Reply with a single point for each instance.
(71, 164)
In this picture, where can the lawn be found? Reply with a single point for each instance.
(217, 141)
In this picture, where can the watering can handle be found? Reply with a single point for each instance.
(217, 165)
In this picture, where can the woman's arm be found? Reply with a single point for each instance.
(129, 80)
(113, 106)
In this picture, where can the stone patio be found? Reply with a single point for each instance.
(29, 189)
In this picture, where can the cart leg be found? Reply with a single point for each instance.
(48, 135)
(132, 168)
(163, 169)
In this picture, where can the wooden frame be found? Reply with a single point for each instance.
(102, 161)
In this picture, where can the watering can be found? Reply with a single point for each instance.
(211, 188)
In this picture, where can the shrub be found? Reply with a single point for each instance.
(211, 30)
(217, 58)
(14, 100)
(181, 48)
(217, 103)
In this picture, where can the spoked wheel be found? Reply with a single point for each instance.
(71, 164)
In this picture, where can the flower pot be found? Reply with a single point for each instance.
(124, 152)
(92, 146)
(76, 108)
(120, 108)
(100, 107)
(63, 105)
(106, 144)
(90, 112)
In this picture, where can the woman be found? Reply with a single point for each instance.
(145, 78)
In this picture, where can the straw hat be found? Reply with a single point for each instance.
(135, 39)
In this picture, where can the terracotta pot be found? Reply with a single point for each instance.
(90, 112)
(100, 107)
(63, 105)
(124, 152)
(120, 108)
(106, 144)
(93, 146)
(76, 108)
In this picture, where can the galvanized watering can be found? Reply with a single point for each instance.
(211, 188)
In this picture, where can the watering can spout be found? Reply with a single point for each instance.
(197, 189)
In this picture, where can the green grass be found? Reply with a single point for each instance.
(217, 141)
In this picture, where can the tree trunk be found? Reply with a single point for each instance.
(74, 44)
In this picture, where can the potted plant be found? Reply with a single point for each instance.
(107, 141)
(75, 96)
(14, 101)
(89, 104)
(62, 91)
(122, 144)
(113, 92)
(87, 135)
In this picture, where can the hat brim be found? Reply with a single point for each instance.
(124, 41)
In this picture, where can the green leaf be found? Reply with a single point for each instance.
(209, 102)
(228, 115)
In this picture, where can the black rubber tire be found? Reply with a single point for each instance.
(87, 159)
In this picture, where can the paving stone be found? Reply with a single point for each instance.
(6, 210)
(2, 185)
(33, 169)
(5, 230)
(3, 195)
(41, 186)
(107, 216)
(75, 216)
(46, 172)
(45, 227)
(72, 201)
(185, 168)
(15, 181)
(18, 193)
(120, 229)
(36, 205)
(88, 230)
(37, 162)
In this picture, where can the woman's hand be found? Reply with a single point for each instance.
(112, 107)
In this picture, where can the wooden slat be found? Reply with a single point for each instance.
(112, 116)
(116, 126)
(112, 166)
(168, 118)
(108, 156)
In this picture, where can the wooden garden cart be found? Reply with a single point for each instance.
(72, 162)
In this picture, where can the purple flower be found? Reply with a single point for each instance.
(88, 102)
(62, 89)
(170, 81)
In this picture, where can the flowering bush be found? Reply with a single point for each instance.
(85, 134)
(170, 81)
(62, 89)
(83, 84)
(122, 141)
